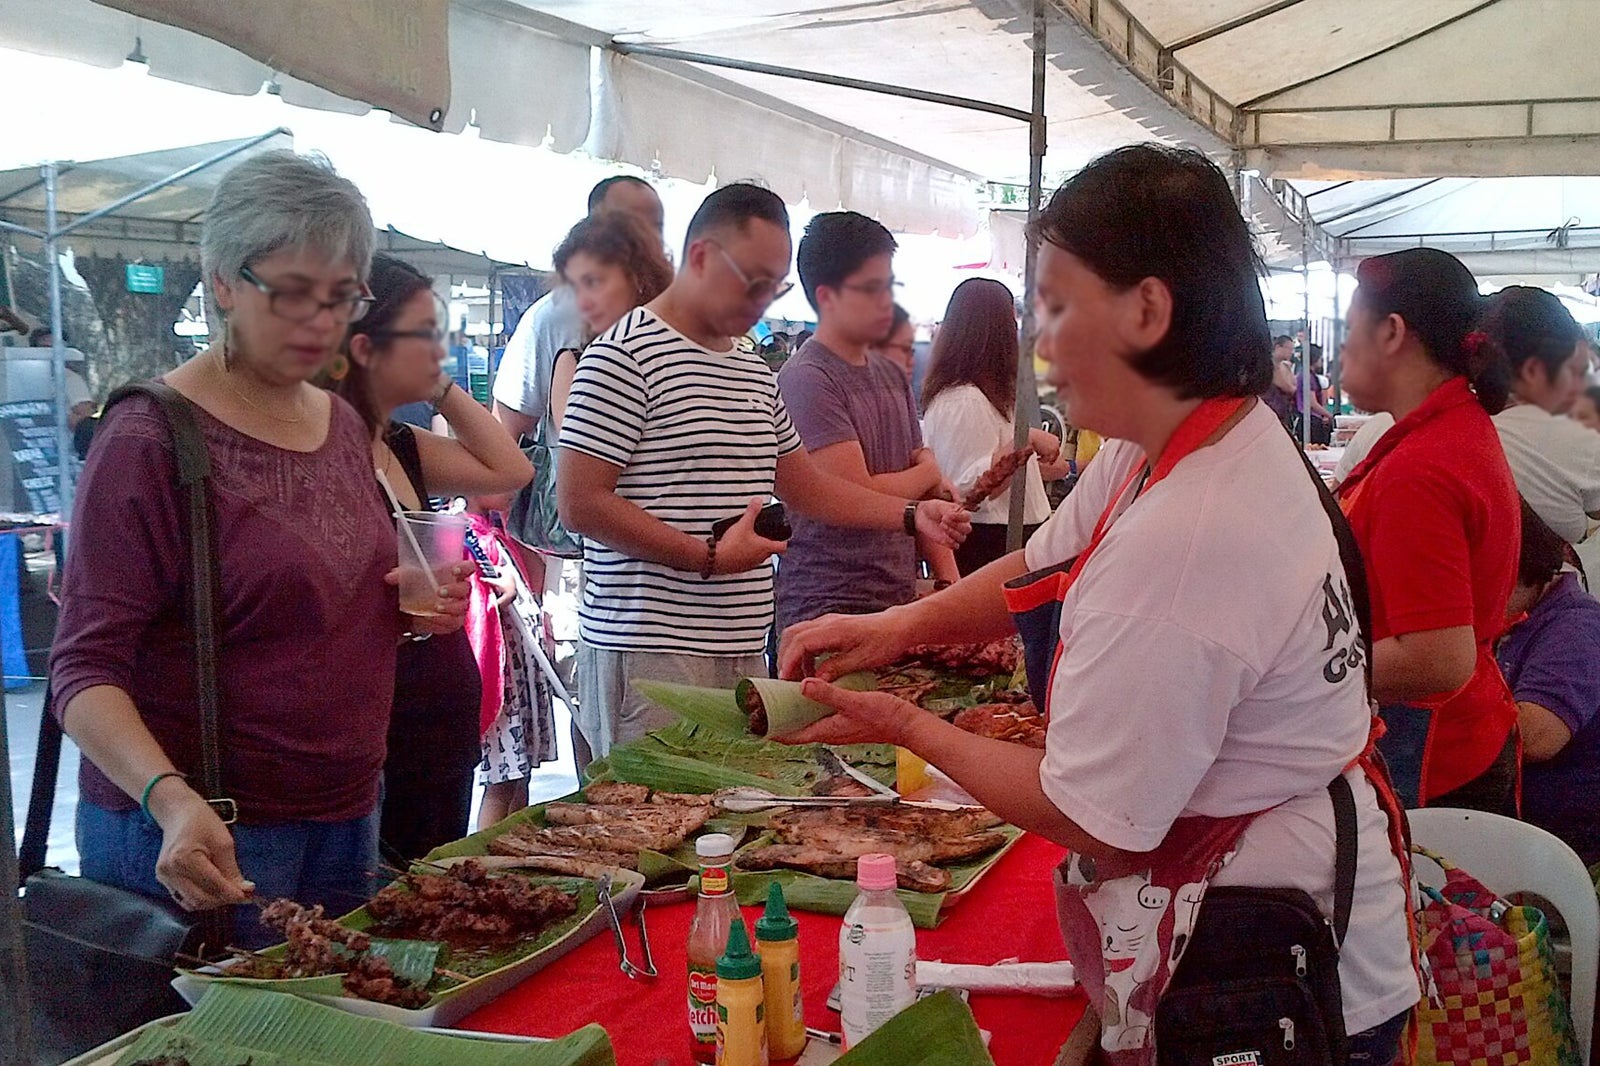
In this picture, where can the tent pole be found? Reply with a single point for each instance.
(1026, 412)
(1336, 345)
(1305, 354)
(16, 1039)
(58, 349)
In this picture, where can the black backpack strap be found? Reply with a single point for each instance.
(1345, 842)
(204, 585)
(42, 798)
(1345, 838)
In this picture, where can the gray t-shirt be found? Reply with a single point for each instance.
(551, 325)
(831, 568)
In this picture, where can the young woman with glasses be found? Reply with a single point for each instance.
(395, 356)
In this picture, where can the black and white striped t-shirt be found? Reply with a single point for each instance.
(697, 434)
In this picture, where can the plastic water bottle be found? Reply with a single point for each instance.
(877, 952)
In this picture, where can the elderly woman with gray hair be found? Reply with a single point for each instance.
(309, 621)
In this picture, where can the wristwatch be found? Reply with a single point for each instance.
(911, 518)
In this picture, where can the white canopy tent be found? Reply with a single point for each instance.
(1526, 226)
(1373, 88)
(522, 71)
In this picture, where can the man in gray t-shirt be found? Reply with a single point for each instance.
(855, 414)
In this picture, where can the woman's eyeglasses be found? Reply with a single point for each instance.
(756, 290)
(434, 336)
(299, 305)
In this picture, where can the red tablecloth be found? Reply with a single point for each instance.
(1010, 913)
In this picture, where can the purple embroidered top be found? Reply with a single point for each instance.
(308, 625)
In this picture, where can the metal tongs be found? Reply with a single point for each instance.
(626, 965)
(830, 762)
(745, 800)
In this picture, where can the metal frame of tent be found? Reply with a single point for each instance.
(15, 1040)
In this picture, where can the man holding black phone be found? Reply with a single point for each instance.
(856, 416)
(671, 426)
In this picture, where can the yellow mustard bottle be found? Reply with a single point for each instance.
(778, 943)
(741, 1006)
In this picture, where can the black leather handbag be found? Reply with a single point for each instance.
(101, 958)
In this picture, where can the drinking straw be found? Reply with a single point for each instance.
(405, 527)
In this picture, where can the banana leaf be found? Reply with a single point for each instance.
(412, 960)
(936, 1031)
(301, 1032)
(713, 707)
(162, 1044)
(739, 759)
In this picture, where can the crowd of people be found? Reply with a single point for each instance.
(1195, 614)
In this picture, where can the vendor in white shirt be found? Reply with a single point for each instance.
(1555, 460)
(1204, 671)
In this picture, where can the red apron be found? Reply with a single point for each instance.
(1126, 923)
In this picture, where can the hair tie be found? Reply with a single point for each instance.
(1473, 341)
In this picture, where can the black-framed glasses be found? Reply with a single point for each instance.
(300, 305)
(433, 336)
(756, 290)
(873, 290)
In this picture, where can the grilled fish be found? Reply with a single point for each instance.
(913, 874)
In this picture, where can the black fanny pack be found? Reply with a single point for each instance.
(1259, 982)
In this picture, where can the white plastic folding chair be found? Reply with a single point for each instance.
(1509, 856)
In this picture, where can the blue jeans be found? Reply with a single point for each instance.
(330, 863)
(1380, 1045)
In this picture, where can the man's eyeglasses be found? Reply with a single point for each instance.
(756, 290)
(299, 305)
(872, 290)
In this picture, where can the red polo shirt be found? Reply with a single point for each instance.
(1436, 513)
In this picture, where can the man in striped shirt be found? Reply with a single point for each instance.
(670, 427)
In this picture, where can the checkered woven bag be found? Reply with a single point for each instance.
(1494, 998)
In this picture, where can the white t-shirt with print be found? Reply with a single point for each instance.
(1556, 463)
(1205, 672)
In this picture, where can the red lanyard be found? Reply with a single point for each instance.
(1195, 430)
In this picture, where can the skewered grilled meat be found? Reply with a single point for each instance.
(465, 904)
(991, 479)
(317, 946)
(914, 875)
(995, 657)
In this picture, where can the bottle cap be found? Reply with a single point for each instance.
(776, 924)
(738, 962)
(875, 872)
(714, 846)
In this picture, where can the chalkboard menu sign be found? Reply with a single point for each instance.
(29, 431)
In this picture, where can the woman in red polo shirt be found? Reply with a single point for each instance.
(1436, 513)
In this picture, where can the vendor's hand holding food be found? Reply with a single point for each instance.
(851, 642)
(741, 548)
(862, 718)
(197, 863)
(451, 610)
(943, 522)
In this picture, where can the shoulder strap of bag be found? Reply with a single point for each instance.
(193, 470)
(1344, 801)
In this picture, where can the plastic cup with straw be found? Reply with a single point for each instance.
(441, 543)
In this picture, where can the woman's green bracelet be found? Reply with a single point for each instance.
(144, 800)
